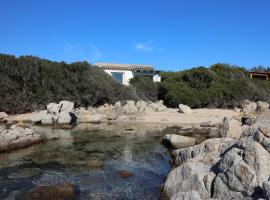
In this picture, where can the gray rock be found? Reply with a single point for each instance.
(3, 115)
(248, 107)
(187, 178)
(178, 141)
(47, 119)
(266, 187)
(94, 118)
(209, 124)
(230, 128)
(209, 151)
(39, 116)
(66, 106)
(262, 106)
(241, 170)
(64, 118)
(192, 195)
(184, 109)
(112, 116)
(130, 107)
(53, 108)
(17, 137)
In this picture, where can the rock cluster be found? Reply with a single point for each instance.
(16, 137)
(251, 107)
(62, 113)
(223, 168)
(129, 107)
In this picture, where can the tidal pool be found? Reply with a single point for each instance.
(90, 157)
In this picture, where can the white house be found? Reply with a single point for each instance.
(124, 72)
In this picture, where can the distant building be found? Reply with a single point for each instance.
(259, 75)
(124, 72)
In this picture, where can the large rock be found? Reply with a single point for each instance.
(193, 195)
(53, 108)
(230, 128)
(130, 107)
(208, 151)
(47, 119)
(39, 116)
(3, 115)
(242, 171)
(93, 118)
(66, 106)
(184, 109)
(191, 176)
(158, 106)
(64, 118)
(262, 106)
(143, 106)
(60, 191)
(248, 107)
(222, 168)
(178, 141)
(17, 137)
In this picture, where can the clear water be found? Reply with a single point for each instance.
(90, 157)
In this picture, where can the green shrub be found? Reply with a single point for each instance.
(221, 86)
(145, 88)
(28, 83)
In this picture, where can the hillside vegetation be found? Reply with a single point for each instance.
(28, 83)
(220, 85)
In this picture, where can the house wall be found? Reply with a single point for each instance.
(157, 78)
(127, 75)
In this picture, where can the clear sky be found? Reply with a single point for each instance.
(170, 34)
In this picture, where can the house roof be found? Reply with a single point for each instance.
(131, 67)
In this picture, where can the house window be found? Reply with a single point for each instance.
(118, 76)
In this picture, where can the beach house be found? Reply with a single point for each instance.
(124, 72)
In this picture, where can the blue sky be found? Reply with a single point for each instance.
(170, 34)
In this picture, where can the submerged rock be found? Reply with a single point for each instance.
(125, 173)
(60, 191)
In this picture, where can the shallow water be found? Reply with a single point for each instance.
(90, 157)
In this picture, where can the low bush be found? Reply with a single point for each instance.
(221, 85)
(28, 83)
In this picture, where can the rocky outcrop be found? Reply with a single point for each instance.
(131, 107)
(193, 195)
(3, 115)
(223, 168)
(262, 106)
(184, 109)
(17, 137)
(248, 107)
(177, 141)
(231, 128)
(60, 114)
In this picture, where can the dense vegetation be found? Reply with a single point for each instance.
(221, 85)
(28, 83)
